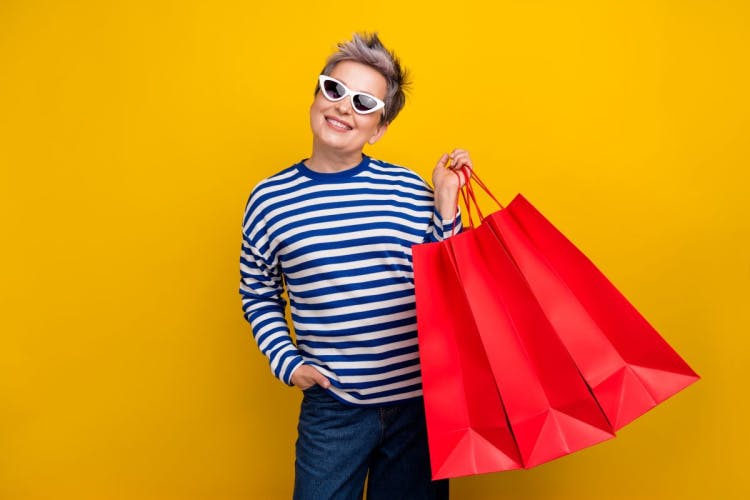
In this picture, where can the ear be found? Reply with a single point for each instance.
(378, 133)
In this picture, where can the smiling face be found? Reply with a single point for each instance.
(338, 131)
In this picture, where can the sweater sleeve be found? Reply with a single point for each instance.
(441, 228)
(261, 288)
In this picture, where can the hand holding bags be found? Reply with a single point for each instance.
(571, 359)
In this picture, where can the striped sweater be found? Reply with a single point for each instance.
(341, 245)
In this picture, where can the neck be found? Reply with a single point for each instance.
(332, 161)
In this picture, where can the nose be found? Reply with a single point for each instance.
(344, 106)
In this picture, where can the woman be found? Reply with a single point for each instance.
(336, 230)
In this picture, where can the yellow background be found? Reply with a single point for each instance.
(132, 132)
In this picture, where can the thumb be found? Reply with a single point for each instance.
(442, 161)
(322, 380)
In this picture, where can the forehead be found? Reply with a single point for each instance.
(360, 77)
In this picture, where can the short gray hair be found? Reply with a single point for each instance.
(369, 50)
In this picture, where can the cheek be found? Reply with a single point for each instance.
(319, 104)
(370, 124)
(317, 111)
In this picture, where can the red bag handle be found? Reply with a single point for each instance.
(467, 193)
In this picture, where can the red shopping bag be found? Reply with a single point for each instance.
(468, 288)
(467, 426)
(550, 408)
(628, 365)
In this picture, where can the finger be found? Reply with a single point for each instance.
(463, 161)
(459, 164)
(458, 152)
(463, 155)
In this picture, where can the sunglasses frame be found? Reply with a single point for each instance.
(349, 93)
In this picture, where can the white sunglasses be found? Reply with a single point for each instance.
(362, 102)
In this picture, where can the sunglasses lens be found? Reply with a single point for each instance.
(333, 90)
(364, 103)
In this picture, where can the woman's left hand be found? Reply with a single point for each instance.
(447, 181)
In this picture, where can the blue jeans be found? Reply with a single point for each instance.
(338, 444)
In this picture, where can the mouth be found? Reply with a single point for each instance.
(338, 124)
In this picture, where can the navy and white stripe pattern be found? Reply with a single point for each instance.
(341, 243)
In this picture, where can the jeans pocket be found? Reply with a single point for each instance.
(315, 392)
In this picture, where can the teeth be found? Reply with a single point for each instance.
(338, 124)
